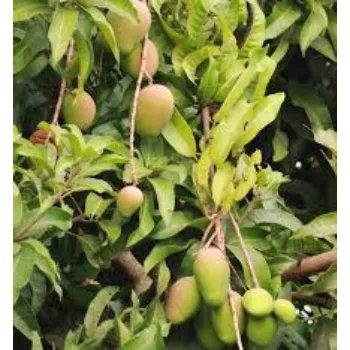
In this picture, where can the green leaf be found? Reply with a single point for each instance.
(327, 138)
(255, 237)
(256, 34)
(112, 228)
(226, 134)
(164, 276)
(148, 339)
(17, 206)
(146, 223)
(39, 290)
(272, 216)
(36, 342)
(91, 245)
(209, 82)
(122, 332)
(27, 9)
(23, 264)
(106, 30)
(326, 282)
(178, 222)
(268, 68)
(53, 217)
(152, 149)
(62, 26)
(284, 14)
(86, 58)
(304, 96)
(33, 68)
(324, 47)
(123, 8)
(265, 112)
(320, 227)
(195, 58)
(259, 263)
(96, 307)
(91, 184)
(180, 136)
(280, 146)
(313, 27)
(24, 318)
(332, 27)
(222, 178)
(95, 205)
(162, 250)
(196, 21)
(45, 263)
(102, 330)
(166, 197)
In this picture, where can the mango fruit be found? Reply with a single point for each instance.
(154, 110)
(222, 319)
(79, 110)
(258, 302)
(261, 330)
(129, 200)
(212, 274)
(285, 311)
(183, 300)
(127, 32)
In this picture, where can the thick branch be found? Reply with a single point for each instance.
(310, 266)
(135, 271)
(324, 301)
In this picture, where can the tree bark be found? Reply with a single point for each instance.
(324, 301)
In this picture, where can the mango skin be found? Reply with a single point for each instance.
(261, 331)
(258, 302)
(129, 200)
(212, 274)
(79, 110)
(285, 311)
(204, 330)
(183, 300)
(132, 62)
(222, 320)
(154, 110)
(127, 32)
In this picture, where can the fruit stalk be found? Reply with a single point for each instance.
(235, 320)
(245, 250)
(63, 86)
(134, 108)
(310, 266)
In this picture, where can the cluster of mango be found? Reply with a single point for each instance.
(207, 297)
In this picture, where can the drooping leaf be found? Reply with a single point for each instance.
(180, 136)
(165, 196)
(91, 184)
(36, 341)
(39, 290)
(27, 9)
(164, 276)
(96, 307)
(123, 333)
(280, 146)
(112, 228)
(95, 205)
(315, 24)
(284, 14)
(332, 27)
(196, 21)
(221, 180)
(62, 26)
(17, 206)
(209, 82)
(324, 47)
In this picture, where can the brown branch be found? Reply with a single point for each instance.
(206, 123)
(245, 250)
(310, 266)
(325, 301)
(135, 271)
(134, 109)
(63, 86)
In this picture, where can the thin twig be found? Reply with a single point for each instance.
(206, 123)
(235, 320)
(245, 250)
(206, 233)
(63, 86)
(134, 109)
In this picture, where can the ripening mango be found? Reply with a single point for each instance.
(183, 300)
(222, 319)
(79, 110)
(205, 331)
(129, 200)
(285, 311)
(129, 33)
(261, 330)
(212, 274)
(258, 302)
(154, 110)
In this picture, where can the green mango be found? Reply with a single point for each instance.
(258, 302)
(285, 311)
(261, 331)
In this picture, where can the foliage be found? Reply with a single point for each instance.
(266, 73)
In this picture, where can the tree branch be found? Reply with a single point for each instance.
(310, 266)
(135, 271)
(325, 301)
